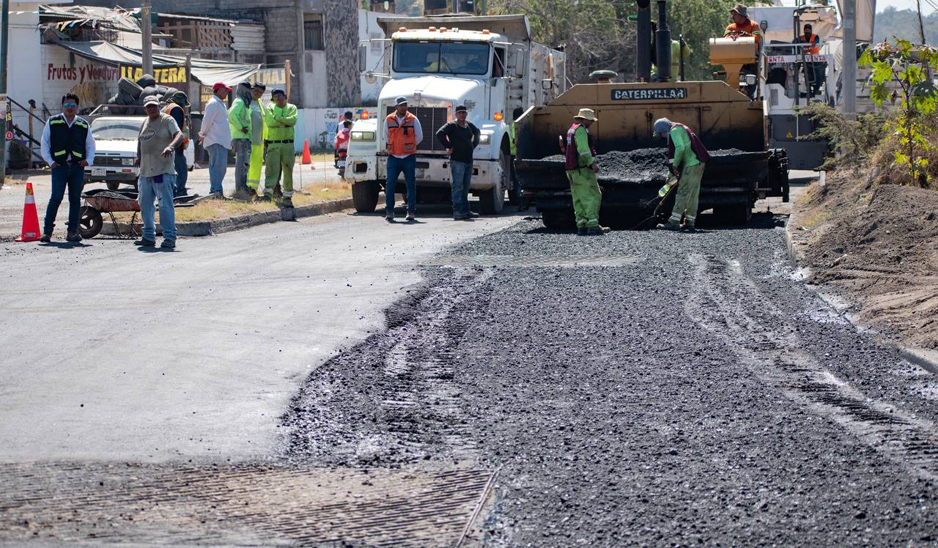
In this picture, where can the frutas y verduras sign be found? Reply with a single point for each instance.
(105, 73)
(649, 94)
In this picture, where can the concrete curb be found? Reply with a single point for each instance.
(220, 226)
(926, 359)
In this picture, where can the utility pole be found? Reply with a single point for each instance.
(921, 24)
(850, 60)
(145, 26)
(4, 45)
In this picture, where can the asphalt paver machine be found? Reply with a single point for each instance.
(729, 123)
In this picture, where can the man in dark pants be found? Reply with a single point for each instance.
(460, 137)
(67, 146)
(177, 109)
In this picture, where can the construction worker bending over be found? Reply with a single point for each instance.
(581, 166)
(689, 158)
(281, 119)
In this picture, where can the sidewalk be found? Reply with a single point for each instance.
(13, 193)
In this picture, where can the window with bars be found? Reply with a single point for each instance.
(312, 32)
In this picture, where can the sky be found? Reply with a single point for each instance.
(898, 4)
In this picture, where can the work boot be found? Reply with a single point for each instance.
(411, 217)
(389, 216)
(581, 230)
(265, 199)
(286, 202)
(689, 227)
(143, 242)
(168, 244)
(597, 230)
(670, 225)
(73, 237)
(46, 237)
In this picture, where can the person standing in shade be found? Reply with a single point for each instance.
(215, 137)
(340, 143)
(258, 135)
(177, 109)
(159, 138)
(239, 116)
(581, 166)
(67, 146)
(402, 133)
(349, 116)
(689, 158)
(460, 137)
(513, 151)
(281, 156)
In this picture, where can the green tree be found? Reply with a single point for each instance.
(906, 65)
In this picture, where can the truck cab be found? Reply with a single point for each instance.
(488, 64)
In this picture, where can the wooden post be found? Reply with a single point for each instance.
(32, 112)
(287, 71)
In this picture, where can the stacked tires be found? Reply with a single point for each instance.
(132, 93)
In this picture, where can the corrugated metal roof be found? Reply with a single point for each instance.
(248, 38)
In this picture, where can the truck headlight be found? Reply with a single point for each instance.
(127, 161)
(485, 139)
(363, 135)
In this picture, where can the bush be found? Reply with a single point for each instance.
(852, 143)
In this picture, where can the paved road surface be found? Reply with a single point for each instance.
(117, 354)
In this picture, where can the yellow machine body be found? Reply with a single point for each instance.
(733, 54)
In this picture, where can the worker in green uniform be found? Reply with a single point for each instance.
(518, 191)
(281, 155)
(258, 135)
(581, 166)
(688, 157)
(239, 118)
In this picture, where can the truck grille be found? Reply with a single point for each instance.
(431, 119)
(110, 161)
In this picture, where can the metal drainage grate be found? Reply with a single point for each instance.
(238, 504)
(532, 261)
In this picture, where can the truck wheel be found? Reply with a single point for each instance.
(89, 222)
(734, 214)
(558, 219)
(365, 196)
(113, 185)
(493, 200)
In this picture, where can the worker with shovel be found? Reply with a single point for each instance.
(688, 158)
(580, 149)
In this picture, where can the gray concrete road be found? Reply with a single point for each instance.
(13, 193)
(110, 353)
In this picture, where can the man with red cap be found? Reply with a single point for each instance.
(215, 137)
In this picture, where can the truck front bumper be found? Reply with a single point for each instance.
(432, 171)
(111, 174)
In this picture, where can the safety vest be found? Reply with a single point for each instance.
(573, 155)
(402, 138)
(512, 146)
(815, 40)
(68, 142)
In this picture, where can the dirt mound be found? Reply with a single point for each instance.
(880, 246)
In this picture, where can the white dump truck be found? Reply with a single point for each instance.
(489, 64)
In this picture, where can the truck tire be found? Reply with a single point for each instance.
(558, 218)
(493, 199)
(365, 196)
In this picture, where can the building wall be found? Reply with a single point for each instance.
(24, 76)
(341, 45)
(63, 72)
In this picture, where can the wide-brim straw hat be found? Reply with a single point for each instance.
(740, 9)
(586, 114)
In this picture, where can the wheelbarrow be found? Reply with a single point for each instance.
(100, 201)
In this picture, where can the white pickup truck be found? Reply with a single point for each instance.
(115, 150)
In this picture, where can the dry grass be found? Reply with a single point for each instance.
(211, 210)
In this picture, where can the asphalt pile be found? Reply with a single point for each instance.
(617, 417)
(639, 166)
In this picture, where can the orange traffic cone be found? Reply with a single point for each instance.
(306, 157)
(30, 217)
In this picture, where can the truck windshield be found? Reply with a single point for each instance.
(441, 57)
(116, 130)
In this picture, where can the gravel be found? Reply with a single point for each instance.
(644, 165)
(663, 402)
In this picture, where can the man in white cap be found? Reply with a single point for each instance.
(402, 133)
(581, 166)
(159, 138)
(688, 157)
